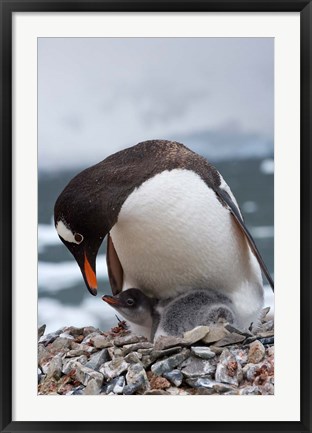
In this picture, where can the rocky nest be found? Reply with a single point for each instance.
(206, 360)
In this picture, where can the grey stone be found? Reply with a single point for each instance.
(60, 344)
(177, 391)
(267, 326)
(55, 368)
(229, 369)
(201, 382)
(114, 368)
(97, 359)
(223, 388)
(128, 339)
(43, 354)
(66, 335)
(101, 342)
(174, 376)
(136, 375)
(41, 330)
(240, 354)
(127, 348)
(203, 352)
(131, 389)
(88, 337)
(49, 338)
(93, 387)
(198, 368)
(230, 339)
(74, 331)
(133, 357)
(114, 352)
(156, 354)
(216, 333)
(85, 374)
(250, 390)
(194, 335)
(168, 364)
(166, 341)
(256, 352)
(114, 386)
(87, 330)
(78, 390)
(70, 364)
(119, 386)
(232, 329)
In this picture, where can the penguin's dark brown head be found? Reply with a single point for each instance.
(81, 223)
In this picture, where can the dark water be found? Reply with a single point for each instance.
(247, 181)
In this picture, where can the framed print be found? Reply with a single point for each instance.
(110, 114)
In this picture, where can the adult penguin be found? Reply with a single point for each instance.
(172, 223)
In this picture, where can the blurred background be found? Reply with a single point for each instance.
(99, 95)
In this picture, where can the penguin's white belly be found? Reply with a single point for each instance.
(173, 234)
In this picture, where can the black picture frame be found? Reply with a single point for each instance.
(8, 7)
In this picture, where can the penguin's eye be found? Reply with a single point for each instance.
(78, 238)
(130, 302)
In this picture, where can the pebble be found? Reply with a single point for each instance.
(114, 368)
(70, 364)
(101, 342)
(198, 367)
(158, 382)
(216, 333)
(250, 390)
(166, 341)
(168, 364)
(127, 348)
(97, 359)
(66, 335)
(93, 387)
(256, 352)
(203, 352)
(41, 331)
(55, 368)
(49, 338)
(174, 376)
(128, 339)
(201, 382)
(194, 335)
(60, 344)
(84, 374)
(229, 369)
(136, 377)
(114, 386)
(230, 339)
(133, 357)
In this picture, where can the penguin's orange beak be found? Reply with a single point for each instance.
(90, 276)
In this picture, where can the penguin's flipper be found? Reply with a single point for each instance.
(226, 199)
(115, 271)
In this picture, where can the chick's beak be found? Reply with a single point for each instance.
(111, 300)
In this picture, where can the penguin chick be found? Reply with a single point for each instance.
(195, 308)
(137, 308)
(172, 316)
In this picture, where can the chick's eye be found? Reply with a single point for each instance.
(78, 238)
(130, 301)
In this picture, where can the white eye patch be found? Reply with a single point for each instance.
(67, 234)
